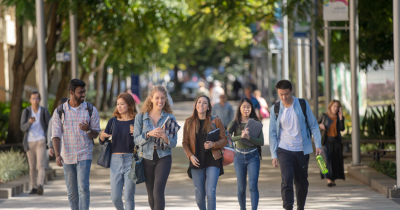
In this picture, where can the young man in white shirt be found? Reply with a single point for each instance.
(290, 143)
(34, 122)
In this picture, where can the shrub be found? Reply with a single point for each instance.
(13, 164)
(386, 167)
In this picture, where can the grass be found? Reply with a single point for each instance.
(13, 164)
(386, 167)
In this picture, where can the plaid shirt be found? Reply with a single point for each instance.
(76, 143)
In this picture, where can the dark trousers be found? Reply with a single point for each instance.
(157, 172)
(294, 166)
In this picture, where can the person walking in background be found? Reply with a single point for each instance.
(331, 124)
(263, 104)
(50, 130)
(205, 156)
(35, 122)
(150, 135)
(77, 123)
(290, 143)
(247, 158)
(202, 90)
(216, 92)
(223, 110)
(237, 86)
(122, 150)
(248, 94)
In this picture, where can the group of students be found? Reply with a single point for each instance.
(75, 123)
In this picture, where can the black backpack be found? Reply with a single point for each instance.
(303, 106)
(60, 111)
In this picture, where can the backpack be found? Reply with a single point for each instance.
(60, 111)
(303, 106)
(229, 138)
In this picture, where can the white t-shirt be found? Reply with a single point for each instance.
(74, 108)
(290, 132)
(36, 132)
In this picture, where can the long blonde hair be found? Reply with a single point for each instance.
(148, 105)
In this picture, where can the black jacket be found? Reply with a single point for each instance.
(339, 126)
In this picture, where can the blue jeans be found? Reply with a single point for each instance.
(247, 164)
(120, 167)
(77, 180)
(199, 176)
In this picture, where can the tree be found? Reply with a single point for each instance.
(22, 65)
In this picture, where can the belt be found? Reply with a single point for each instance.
(246, 152)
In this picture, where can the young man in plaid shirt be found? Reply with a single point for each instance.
(76, 123)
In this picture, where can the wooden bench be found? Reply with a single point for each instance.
(379, 153)
(376, 154)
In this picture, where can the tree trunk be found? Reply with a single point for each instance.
(14, 131)
(104, 98)
(119, 84)
(62, 90)
(53, 37)
(111, 97)
(20, 71)
(99, 75)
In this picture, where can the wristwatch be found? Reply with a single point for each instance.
(89, 131)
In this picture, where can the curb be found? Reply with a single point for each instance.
(22, 184)
(377, 181)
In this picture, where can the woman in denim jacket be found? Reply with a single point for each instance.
(155, 145)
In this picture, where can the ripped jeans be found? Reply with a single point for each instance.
(203, 188)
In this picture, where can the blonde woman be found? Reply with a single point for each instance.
(331, 124)
(150, 136)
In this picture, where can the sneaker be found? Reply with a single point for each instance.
(33, 191)
(40, 190)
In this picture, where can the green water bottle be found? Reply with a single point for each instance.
(322, 165)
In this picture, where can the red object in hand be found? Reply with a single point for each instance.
(229, 156)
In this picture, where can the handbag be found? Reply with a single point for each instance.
(136, 175)
(105, 155)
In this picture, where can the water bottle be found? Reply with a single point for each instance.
(322, 165)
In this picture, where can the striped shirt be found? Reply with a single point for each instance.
(76, 143)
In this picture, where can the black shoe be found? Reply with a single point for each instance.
(334, 184)
(330, 185)
(40, 190)
(33, 191)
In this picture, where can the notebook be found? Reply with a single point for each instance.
(255, 128)
(213, 136)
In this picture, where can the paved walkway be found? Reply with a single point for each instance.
(349, 194)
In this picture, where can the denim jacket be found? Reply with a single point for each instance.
(274, 128)
(143, 124)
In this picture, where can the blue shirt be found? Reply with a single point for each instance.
(274, 128)
(143, 124)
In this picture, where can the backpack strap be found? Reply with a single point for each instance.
(277, 106)
(60, 111)
(303, 106)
